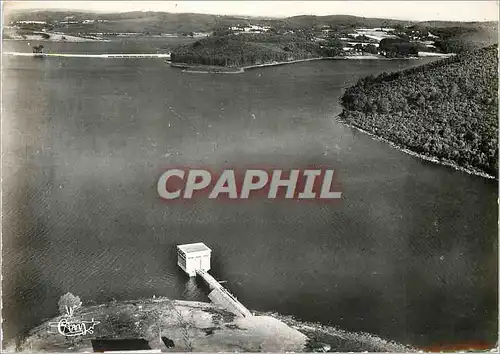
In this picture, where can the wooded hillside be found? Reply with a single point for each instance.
(446, 109)
(251, 49)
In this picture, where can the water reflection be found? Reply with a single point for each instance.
(191, 290)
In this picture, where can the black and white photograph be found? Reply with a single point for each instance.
(249, 176)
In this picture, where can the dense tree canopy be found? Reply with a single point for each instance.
(251, 49)
(446, 109)
(68, 304)
(398, 47)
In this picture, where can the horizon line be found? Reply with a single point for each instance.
(233, 15)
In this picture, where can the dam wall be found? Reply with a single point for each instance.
(103, 56)
(222, 297)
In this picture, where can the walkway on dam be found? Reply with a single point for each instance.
(222, 296)
(103, 56)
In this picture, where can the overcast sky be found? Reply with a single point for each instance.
(406, 10)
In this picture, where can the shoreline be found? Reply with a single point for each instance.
(210, 329)
(201, 69)
(56, 38)
(278, 63)
(447, 163)
(206, 69)
(315, 329)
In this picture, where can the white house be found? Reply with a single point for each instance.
(193, 256)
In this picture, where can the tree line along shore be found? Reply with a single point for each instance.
(237, 46)
(446, 110)
(252, 49)
(228, 50)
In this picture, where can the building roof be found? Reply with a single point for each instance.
(193, 247)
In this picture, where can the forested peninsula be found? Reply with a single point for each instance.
(232, 50)
(446, 110)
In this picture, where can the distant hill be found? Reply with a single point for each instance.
(162, 22)
(446, 109)
(464, 39)
(456, 37)
(470, 24)
(339, 21)
(137, 22)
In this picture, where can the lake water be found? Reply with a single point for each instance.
(410, 253)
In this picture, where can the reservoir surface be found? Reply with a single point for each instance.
(409, 253)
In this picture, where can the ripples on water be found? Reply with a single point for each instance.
(410, 253)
